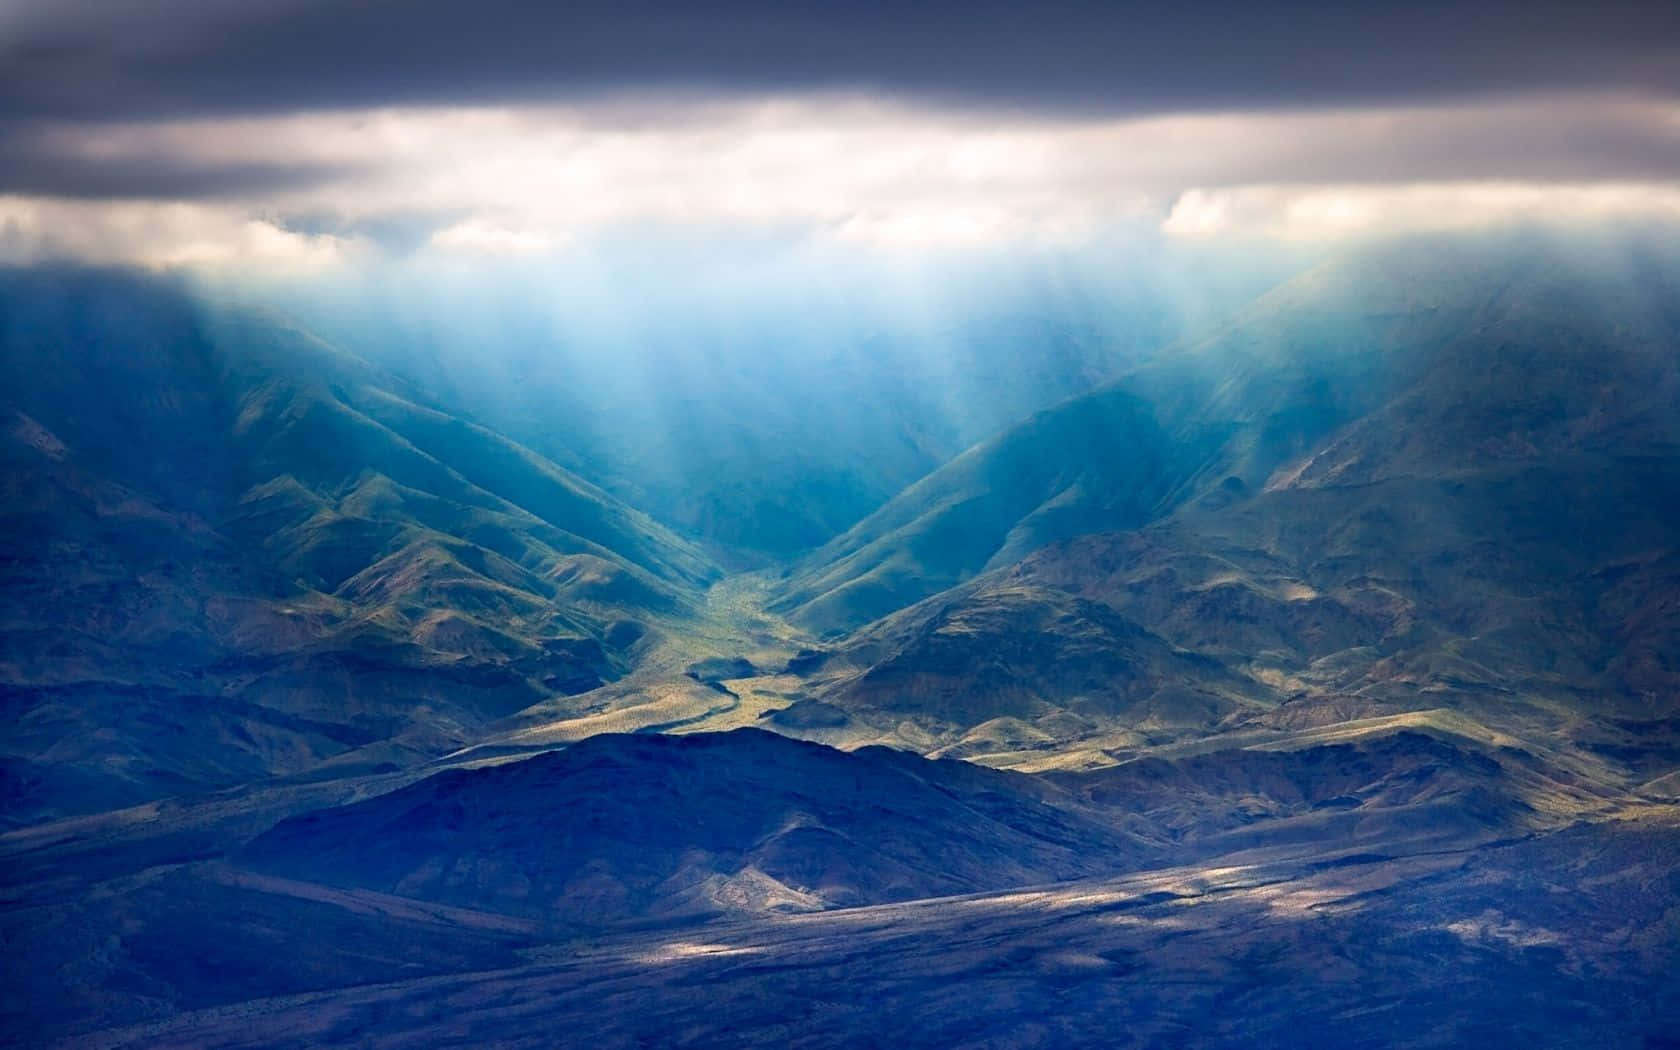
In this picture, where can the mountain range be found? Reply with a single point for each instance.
(1341, 631)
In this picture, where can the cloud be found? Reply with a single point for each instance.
(326, 128)
(481, 237)
(1325, 212)
(159, 235)
(149, 59)
(677, 148)
(858, 170)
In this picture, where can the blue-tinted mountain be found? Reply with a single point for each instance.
(233, 551)
(1423, 360)
(765, 428)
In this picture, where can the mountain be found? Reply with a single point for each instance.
(725, 871)
(1393, 486)
(232, 551)
(1439, 473)
(1106, 447)
(1336, 649)
(996, 665)
(1563, 940)
(1420, 359)
(634, 827)
(764, 426)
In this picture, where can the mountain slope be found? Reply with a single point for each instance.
(1431, 339)
(231, 551)
(992, 660)
(1473, 502)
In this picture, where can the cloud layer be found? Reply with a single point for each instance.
(213, 131)
(105, 59)
(532, 180)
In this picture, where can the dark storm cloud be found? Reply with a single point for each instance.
(122, 59)
(32, 165)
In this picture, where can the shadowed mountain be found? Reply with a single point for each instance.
(393, 884)
(1560, 940)
(1397, 783)
(635, 827)
(217, 529)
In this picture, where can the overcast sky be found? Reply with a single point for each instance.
(305, 132)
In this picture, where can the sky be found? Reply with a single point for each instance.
(304, 134)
